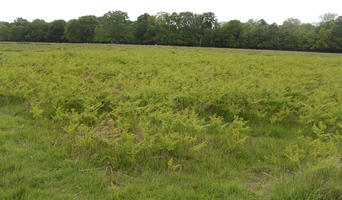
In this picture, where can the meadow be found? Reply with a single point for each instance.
(100, 121)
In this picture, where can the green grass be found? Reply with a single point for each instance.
(31, 167)
(321, 181)
(151, 122)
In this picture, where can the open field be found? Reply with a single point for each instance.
(92, 121)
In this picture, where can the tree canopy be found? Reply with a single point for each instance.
(184, 28)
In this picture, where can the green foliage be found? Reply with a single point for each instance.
(36, 31)
(184, 29)
(217, 123)
(114, 27)
(32, 168)
(236, 134)
(132, 108)
(319, 181)
(172, 166)
(56, 31)
(3, 31)
(82, 29)
(16, 33)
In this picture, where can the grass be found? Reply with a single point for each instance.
(321, 181)
(143, 122)
(33, 168)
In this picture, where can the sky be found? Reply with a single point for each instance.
(308, 11)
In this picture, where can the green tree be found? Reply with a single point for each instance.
(166, 30)
(56, 31)
(17, 30)
(3, 31)
(272, 37)
(289, 34)
(73, 31)
(145, 31)
(88, 25)
(308, 36)
(324, 38)
(208, 26)
(327, 37)
(37, 31)
(16, 33)
(257, 34)
(82, 29)
(184, 28)
(327, 17)
(337, 32)
(115, 27)
(231, 34)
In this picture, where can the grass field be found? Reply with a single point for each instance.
(94, 121)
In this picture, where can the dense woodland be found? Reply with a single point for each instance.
(184, 28)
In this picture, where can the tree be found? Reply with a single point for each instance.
(88, 25)
(272, 37)
(73, 31)
(16, 33)
(56, 31)
(114, 27)
(231, 34)
(36, 31)
(82, 29)
(184, 28)
(328, 33)
(327, 17)
(289, 34)
(323, 39)
(17, 30)
(337, 33)
(145, 31)
(208, 25)
(258, 34)
(309, 36)
(3, 31)
(20, 21)
(166, 31)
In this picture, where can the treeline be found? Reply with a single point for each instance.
(184, 28)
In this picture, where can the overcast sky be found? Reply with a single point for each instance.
(270, 10)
